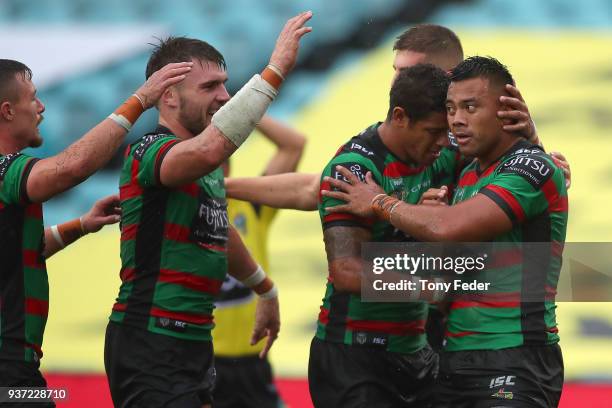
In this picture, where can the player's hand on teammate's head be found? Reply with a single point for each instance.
(288, 42)
(563, 164)
(435, 196)
(515, 114)
(356, 194)
(267, 323)
(171, 74)
(104, 212)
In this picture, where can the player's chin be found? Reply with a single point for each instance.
(36, 141)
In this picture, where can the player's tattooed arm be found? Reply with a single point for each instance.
(95, 148)
(343, 247)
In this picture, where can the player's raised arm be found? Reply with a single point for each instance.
(81, 159)
(235, 121)
(289, 145)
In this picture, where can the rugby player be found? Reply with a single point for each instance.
(25, 183)
(236, 360)
(176, 243)
(370, 353)
(498, 354)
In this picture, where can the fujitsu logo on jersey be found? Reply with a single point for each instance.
(530, 162)
(215, 214)
(357, 169)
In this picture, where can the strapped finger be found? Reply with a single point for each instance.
(304, 30)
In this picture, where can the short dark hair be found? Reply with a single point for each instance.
(420, 90)
(482, 67)
(9, 69)
(179, 49)
(430, 39)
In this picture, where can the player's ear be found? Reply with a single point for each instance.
(399, 117)
(170, 97)
(6, 111)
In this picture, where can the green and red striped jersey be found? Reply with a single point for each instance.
(344, 318)
(527, 185)
(173, 244)
(24, 286)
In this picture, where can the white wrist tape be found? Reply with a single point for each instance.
(121, 121)
(271, 294)
(57, 236)
(254, 279)
(238, 117)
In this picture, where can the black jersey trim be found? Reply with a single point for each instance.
(160, 159)
(502, 204)
(338, 313)
(536, 264)
(148, 249)
(23, 187)
(12, 283)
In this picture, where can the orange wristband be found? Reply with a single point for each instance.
(383, 205)
(128, 113)
(272, 77)
(71, 231)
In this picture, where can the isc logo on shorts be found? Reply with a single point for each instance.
(501, 381)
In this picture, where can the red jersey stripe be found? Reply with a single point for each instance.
(37, 307)
(191, 281)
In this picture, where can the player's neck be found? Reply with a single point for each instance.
(175, 127)
(9, 144)
(506, 142)
(393, 142)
